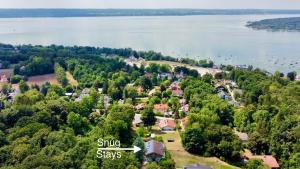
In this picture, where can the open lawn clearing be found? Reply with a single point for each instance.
(71, 79)
(182, 157)
(42, 79)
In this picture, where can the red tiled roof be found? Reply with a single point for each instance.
(161, 107)
(167, 123)
(269, 161)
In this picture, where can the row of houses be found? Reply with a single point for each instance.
(165, 124)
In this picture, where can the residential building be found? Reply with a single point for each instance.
(177, 93)
(167, 125)
(242, 136)
(175, 86)
(162, 108)
(267, 160)
(168, 76)
(154, 151)
(137, 121)
(184, 108)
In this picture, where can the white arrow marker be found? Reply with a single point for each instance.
(135, 149)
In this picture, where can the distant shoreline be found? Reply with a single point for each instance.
(30, 13)
(277, 24)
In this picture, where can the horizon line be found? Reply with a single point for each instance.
(155, 8)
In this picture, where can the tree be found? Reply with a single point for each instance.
(152, 165)
(139, 155)
(257, 143)
(23, 86)
(254, 164)
(130, 92)
(5, 89)
(294, 162)
(193, 140)
(207, 78)
(145, 82)
(78, 123)
(60, 74)
(174, 102)
(148, 116)
(292, 76)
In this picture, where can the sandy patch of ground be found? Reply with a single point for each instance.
(42, 79)
(71, 79)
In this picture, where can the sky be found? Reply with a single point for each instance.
(201, 4)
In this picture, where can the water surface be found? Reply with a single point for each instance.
(221, 38)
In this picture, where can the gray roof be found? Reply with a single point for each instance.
(137, 119)
(154, 147)
(196, 166)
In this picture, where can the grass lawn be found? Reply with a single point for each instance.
(182, 157)
(71, 80)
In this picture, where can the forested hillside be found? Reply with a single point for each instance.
(278, 24)
(58, 125)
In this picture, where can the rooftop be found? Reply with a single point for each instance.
(154, 147)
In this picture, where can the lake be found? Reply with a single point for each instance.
(221, 38)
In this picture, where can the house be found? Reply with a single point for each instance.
(242, 136)
(177, 93)
(267, 160)
(184, 108)
(84, 93)
(168, 76)
(167, 125)
(196, 166)
(270, 161)
(162, 108)
(175, 86)
(154, 151)
(137, 121)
